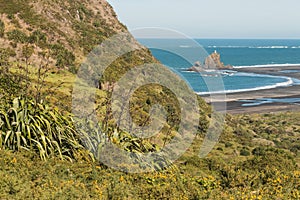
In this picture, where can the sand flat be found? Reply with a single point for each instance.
(234, 106)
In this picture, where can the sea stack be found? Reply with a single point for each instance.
(213, 61)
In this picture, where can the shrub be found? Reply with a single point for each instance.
(2, 28)
(38, 38)
(32, 126)
(259, 151)
(228, 144)
(17, 36)
(220, 149)
(64, 58)
(295, 148)
(27, 52)
(244, 152)
(11, 52)
(4, 56)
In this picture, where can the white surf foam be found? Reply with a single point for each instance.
(289, 82)
(268, 65)
(255, 47)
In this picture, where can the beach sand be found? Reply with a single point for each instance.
(234, 106)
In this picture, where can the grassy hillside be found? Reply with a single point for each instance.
(237, 168)
(66, 30)
(43, 43)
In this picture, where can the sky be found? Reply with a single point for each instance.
(271, 19)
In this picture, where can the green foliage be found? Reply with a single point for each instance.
(271, 158)
(64, 57)
(295, 148)
(2, 28)
(89, 37)
(259, 151)
(10, 84)
(27, 51)
(228, 144)
(38, 37)
(244, 152)
(84, 30)
(17, 36)
(11, 52)
(4, 56)
(230, 172)
(12, 7)
(124, 63)
(37, 127)
(24, 176)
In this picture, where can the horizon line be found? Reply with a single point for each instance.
(219, 38)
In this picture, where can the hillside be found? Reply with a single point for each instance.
(242, 166)
(57, 36)
(45, 154)
(43, 44)
(66, 30)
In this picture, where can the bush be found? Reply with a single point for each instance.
(17, 36)
(27, 51)
(295, 148)
(38, 38)
(32, 126)
(228, 144)
(2, 28)
(64, 58)
(244, 152)
(220, 149)
(4, 56)
(259, 151)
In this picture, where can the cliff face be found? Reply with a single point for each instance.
(66, 30)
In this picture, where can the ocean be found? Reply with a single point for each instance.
(180, 54)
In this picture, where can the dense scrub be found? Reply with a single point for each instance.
(268, 173)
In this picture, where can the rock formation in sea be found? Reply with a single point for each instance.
(213, 61)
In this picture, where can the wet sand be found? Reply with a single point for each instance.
(234, 106)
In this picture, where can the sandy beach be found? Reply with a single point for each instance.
(235, 106)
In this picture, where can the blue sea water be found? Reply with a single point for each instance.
(180, 54)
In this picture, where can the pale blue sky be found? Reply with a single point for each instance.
(214, 18)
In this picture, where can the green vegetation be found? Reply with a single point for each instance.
(2, 28)
(25, 124)
(70, 33)
(17, 36)
(268, 173)
(39, 38)
(47, 155)
(64, 57)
